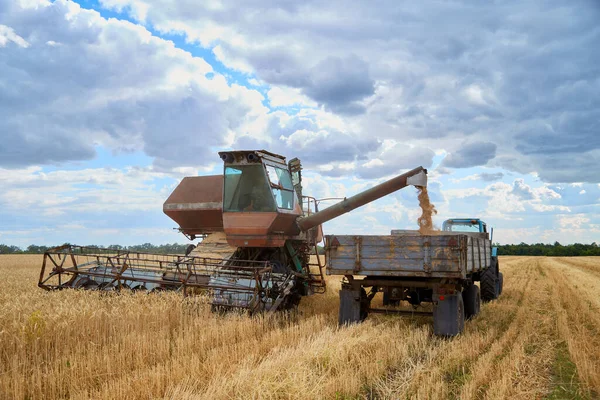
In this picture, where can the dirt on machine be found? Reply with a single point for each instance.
(258, 233)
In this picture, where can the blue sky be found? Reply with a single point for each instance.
(105, 105)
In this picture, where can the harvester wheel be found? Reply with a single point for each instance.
(489, 282)
(472, 301)
(449, 316)
(189, 249)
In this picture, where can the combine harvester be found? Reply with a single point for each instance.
(258, 231)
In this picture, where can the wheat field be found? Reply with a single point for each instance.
(541, 339)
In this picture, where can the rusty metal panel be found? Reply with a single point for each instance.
(196, 204)
(398, 255)
(479, 250)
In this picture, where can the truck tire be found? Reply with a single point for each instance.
(500, 283)
(489, 282)
(449, 316)
(472, 300)
(353, 306)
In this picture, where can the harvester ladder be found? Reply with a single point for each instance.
(317, 281)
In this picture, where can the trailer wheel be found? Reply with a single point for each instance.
(449, 316)
(354, 306)
(472, 301)
(489, 282)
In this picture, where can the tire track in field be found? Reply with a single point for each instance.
(584, 280)
(580, 265)
(518, 364)
(449, 367)
(577, 325)
(585, 284)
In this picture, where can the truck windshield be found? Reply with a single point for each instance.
(246, 189)
(462, 227)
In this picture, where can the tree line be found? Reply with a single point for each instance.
(521, 249)
(553, 250)
(173, 248)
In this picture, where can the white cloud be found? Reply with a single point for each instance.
(373, 93)
(87, 190)
(113, 84)
(284, 96)
(7, 34)
(383, 69)
(577, 221)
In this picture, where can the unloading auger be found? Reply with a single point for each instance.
(258, 229)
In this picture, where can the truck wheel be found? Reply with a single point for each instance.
(471, 300)
(489, 282)
(500, 283)
(354, 306)
(449, 316)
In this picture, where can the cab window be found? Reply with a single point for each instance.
(462, 227)
(281, 186)
(246, 189)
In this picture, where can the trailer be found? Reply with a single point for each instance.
(441, 268)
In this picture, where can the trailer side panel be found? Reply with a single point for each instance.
(407, 255)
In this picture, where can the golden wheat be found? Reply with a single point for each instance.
(540, 339)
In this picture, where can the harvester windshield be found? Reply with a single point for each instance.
(246, 189)
(281, 186)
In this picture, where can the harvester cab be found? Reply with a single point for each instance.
(262, 198)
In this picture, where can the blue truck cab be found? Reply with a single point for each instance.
(468, 225)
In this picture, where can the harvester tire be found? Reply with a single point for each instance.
(489, 282)
(189, 249)
(472, 301)
(449, 316)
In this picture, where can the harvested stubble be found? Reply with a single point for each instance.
(541, 339)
